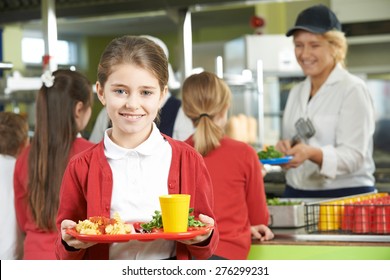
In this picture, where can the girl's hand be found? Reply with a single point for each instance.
(69, 239)
(208, 221)
(261, 232)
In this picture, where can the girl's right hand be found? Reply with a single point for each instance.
(69, 239)
(208, 221)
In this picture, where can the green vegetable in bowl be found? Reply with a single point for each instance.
(276, 202)
(269, 152)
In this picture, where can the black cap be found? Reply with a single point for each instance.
(316, 19)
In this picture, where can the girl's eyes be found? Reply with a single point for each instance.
(145, 92)
(120, 91)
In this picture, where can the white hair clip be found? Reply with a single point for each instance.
(47, 79)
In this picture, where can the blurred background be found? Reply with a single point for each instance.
(242, 41)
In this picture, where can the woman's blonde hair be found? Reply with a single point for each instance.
(205, 98)
(339, 45)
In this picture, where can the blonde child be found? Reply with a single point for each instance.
(240, 203)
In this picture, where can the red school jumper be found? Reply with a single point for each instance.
(87, 188)
(38, 244)
(239, 195)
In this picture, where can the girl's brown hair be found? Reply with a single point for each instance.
(14, 133)
(135, 50)
(205, 97)
(55, 131)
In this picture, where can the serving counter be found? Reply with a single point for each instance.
(297, 244)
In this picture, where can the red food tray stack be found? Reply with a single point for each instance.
(364, 214)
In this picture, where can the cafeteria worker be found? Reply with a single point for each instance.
(335, 158)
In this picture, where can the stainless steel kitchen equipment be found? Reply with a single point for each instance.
(287, 216)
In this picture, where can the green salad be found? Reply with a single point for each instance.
(269, 152)
(157, 223)
(277, 202)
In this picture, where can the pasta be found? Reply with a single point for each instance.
(102, 225)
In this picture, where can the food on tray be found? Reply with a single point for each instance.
(269, 152)
(156, 224)
(98, 225)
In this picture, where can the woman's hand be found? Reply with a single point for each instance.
(283, 146)
(69, 239)
(208, 221)
(261, 232)
(302, 152)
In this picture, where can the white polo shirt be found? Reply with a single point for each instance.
(140, 175)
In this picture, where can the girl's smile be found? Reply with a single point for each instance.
(133, 98)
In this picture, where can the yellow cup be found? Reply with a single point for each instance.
(174, 212)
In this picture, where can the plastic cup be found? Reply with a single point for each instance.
(174, 212)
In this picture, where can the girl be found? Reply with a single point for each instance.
(240, 202)
(63, 109)
(135, 163)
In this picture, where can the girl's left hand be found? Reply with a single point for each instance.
(208, 221)
(261, 232)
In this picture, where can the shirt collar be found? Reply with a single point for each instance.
(149, 147)
(336, 75)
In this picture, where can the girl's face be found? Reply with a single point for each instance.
(132, 97)
(313, 53)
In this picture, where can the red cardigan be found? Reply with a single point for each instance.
(38, 244)
(239, 195)
(87, 188)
